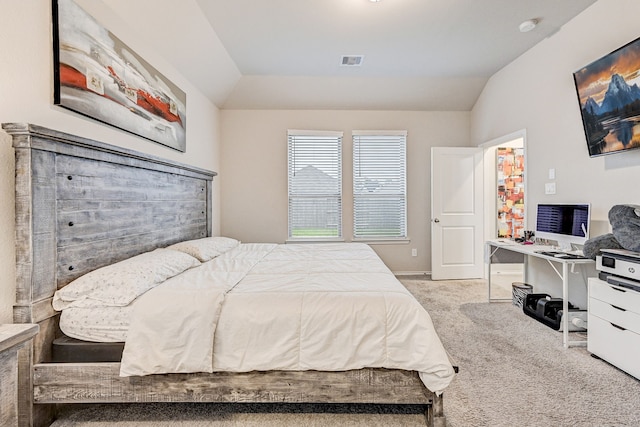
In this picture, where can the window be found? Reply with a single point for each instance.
(379, 184)
(315, 184)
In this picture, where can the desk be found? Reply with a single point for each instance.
(510, 252)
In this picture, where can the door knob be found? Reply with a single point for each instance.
(436, 220)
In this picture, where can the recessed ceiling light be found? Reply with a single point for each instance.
(374, 1)
(528, 25)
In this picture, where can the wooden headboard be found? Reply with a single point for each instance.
(82, 204)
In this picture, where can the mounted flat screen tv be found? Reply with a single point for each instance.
(610, 100)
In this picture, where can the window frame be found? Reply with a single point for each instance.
(334, 167)
(400, 170)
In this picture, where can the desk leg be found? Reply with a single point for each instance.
(489, 278)
(565, 304)
(489, 252)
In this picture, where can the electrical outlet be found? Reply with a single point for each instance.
(414, 252)
(550, 188)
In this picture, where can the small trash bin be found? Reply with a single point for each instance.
(519, 293)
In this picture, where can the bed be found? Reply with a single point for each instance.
(83, 206)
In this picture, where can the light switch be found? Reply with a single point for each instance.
(550, 188)
(552, 173)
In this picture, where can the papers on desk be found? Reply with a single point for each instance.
(506, 241)
(561, 255)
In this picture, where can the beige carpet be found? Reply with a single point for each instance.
(513, 372)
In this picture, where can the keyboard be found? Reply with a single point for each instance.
(561, 255)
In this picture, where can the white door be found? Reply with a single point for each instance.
(456, 213)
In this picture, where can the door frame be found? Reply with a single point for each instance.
(490, 181)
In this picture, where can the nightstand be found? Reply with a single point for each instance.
(15, 346)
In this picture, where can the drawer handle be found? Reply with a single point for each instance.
(617, 289)
(619, 327)
(618, 308)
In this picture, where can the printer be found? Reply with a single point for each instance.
(619, 267)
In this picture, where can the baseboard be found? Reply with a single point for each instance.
(413, 273)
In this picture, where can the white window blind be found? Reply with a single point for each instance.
(379, 184)
(315, 184)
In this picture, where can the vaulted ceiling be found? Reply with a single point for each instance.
(286, 54)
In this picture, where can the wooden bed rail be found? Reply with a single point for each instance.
(101, 383)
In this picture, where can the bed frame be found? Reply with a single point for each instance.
(82, 204)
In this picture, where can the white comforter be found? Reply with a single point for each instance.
(328, 307)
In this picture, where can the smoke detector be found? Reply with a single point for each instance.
(351, 60)
(528, 25)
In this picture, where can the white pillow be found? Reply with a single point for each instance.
(120, 283)
(207, 248)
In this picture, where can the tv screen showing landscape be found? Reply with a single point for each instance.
(610, 100)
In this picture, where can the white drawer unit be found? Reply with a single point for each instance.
(614, 325)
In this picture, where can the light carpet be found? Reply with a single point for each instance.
(513, 372)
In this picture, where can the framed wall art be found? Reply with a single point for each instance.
(510, 174)
(609, 99)
(97, 75)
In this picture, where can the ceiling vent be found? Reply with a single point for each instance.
(352, 60)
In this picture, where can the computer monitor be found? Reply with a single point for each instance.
(567, 224)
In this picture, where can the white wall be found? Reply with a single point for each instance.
(536, 92)
(253, 171)
(26, 96)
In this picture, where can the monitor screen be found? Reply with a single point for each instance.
(564, 223)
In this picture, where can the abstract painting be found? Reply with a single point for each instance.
(510, 174)
(99, 76)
